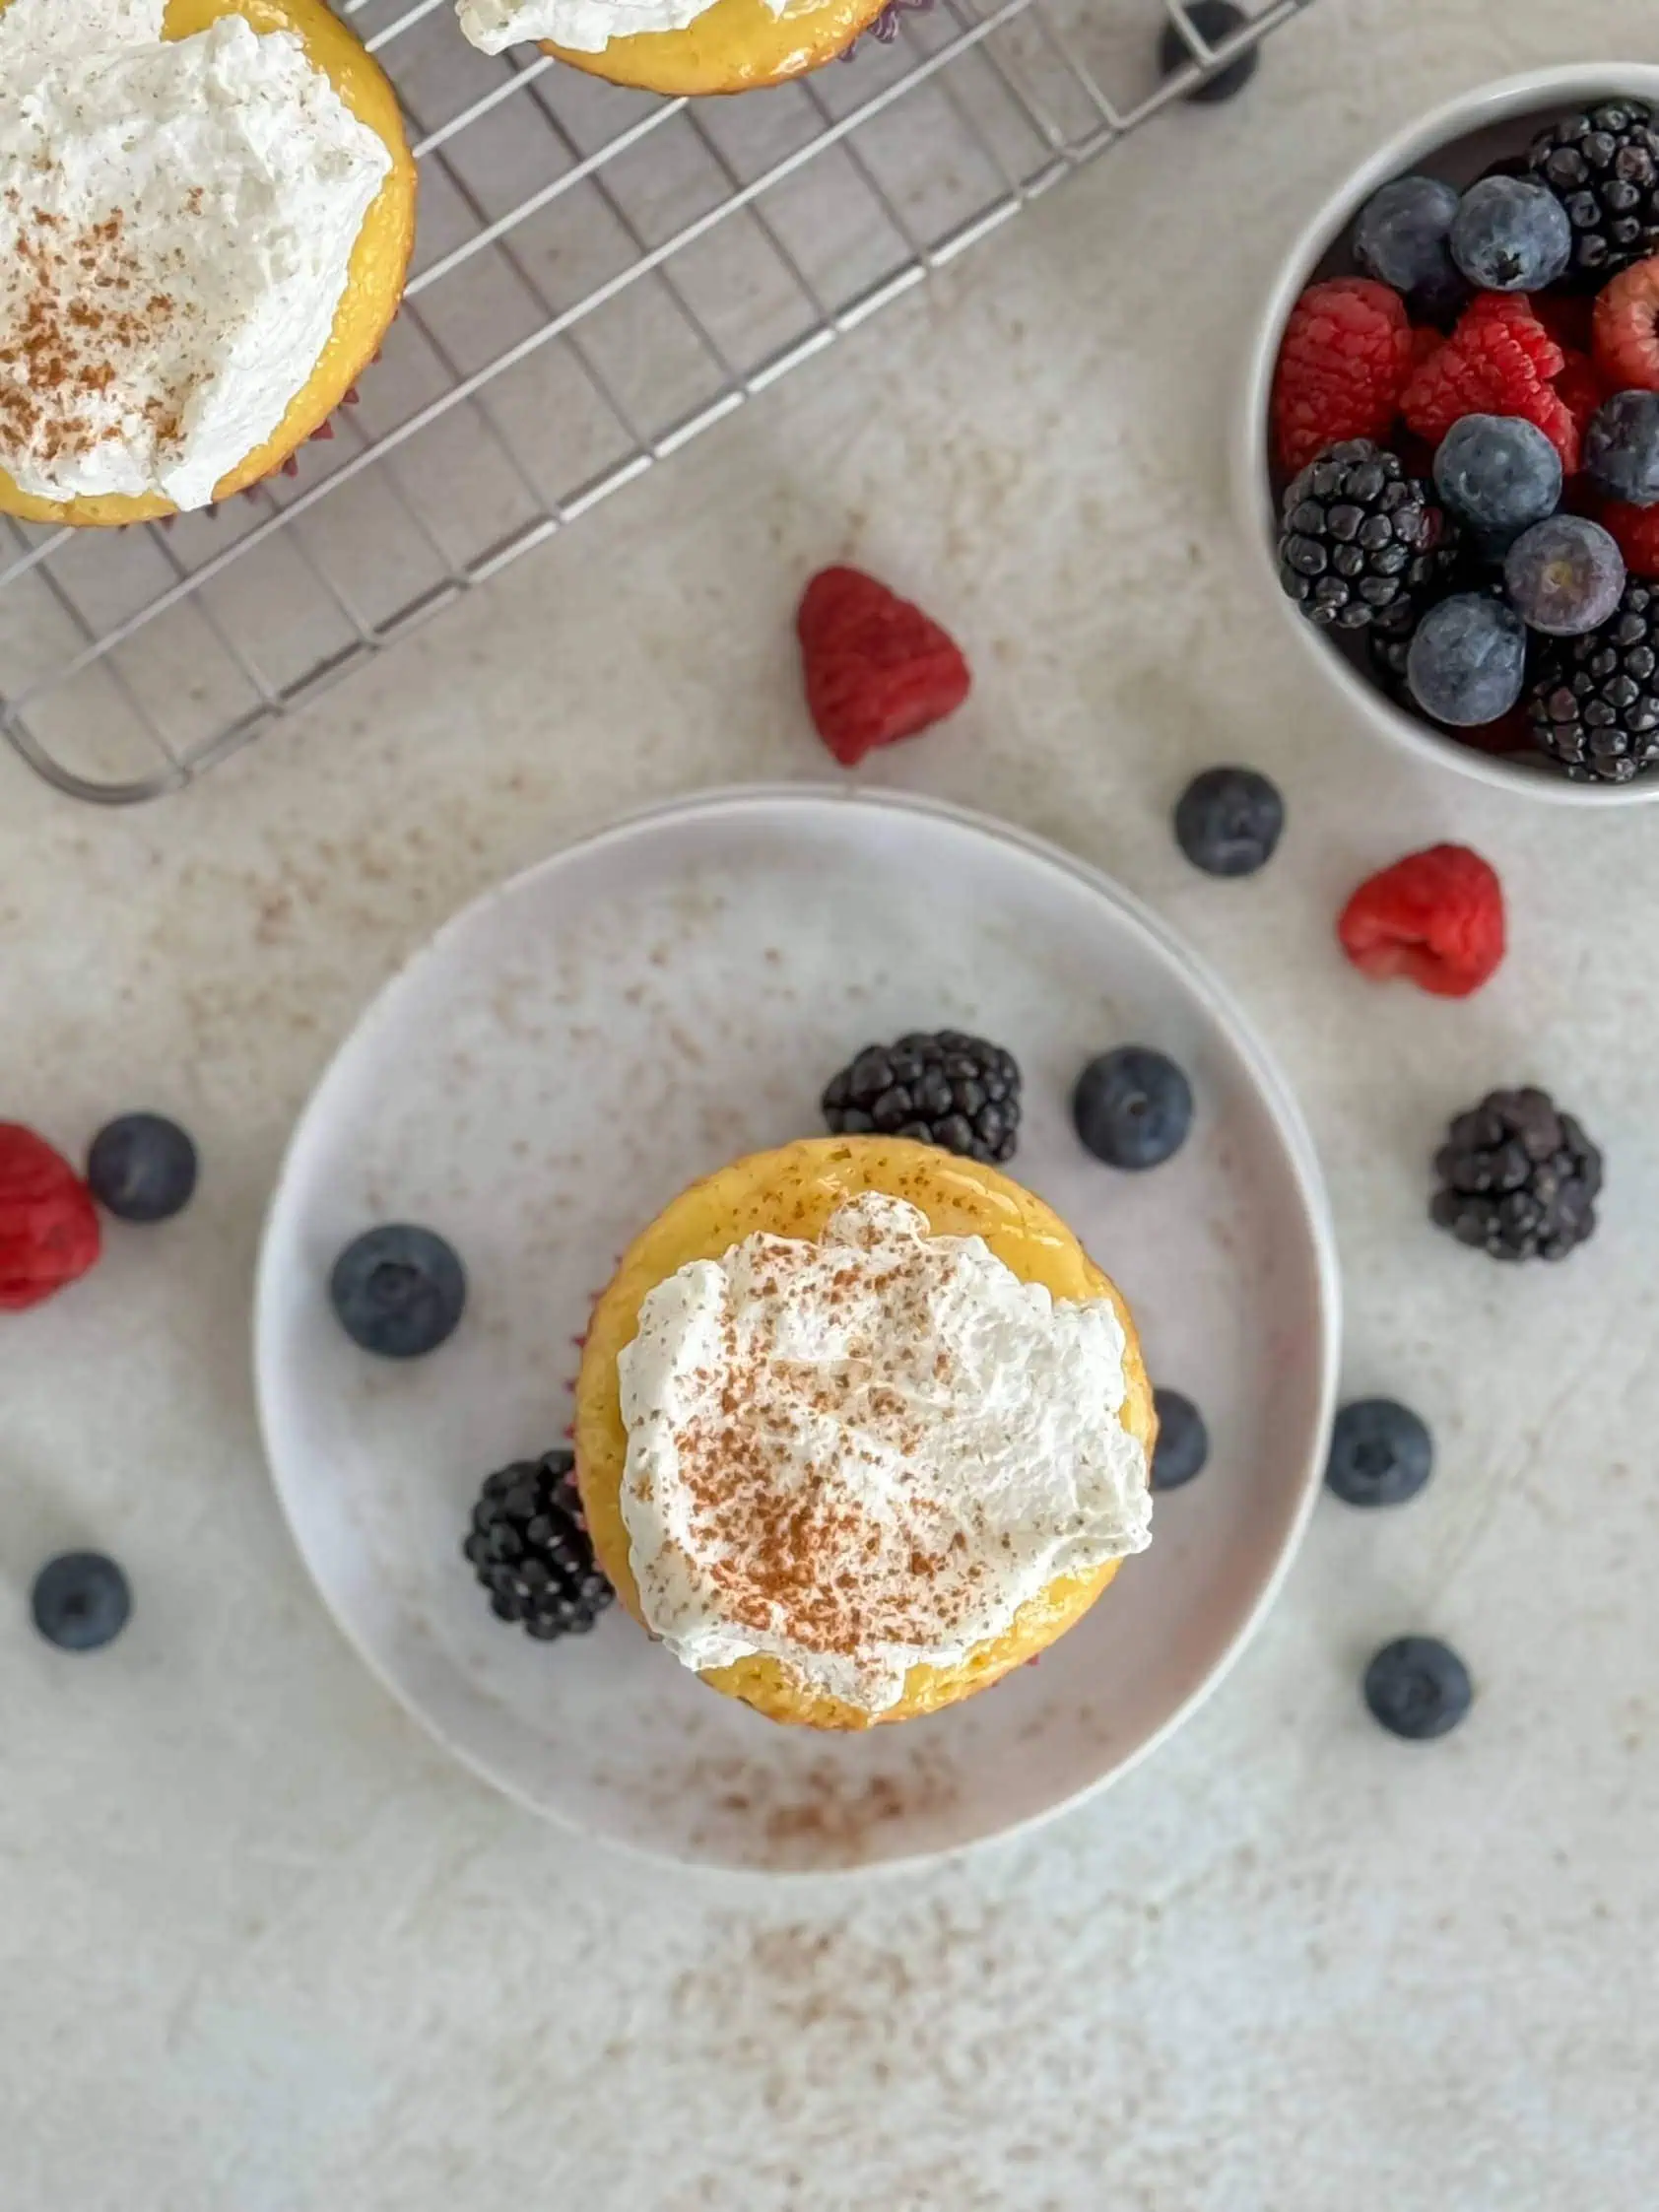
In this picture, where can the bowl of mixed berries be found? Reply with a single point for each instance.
(1450, 453)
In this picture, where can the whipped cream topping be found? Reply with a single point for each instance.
(586, 27)
(176, 225)
(866, 1453)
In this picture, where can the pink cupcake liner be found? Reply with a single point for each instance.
(884, 28)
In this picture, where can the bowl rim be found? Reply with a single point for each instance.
(1277, 1100)
(1459, 117)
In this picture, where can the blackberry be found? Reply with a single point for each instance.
(1388, 640)
(1603, 165)
(529, 1547)
(950, 1090)
(1594, 703)
(1358, 536)
(1518, 1178)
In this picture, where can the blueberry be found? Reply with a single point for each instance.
(1133, 1107)
(1511, 236)
(1418, 1688)
(1403, 239)
(1184, 1441)
(141, 1167)
(1228, 821)
(1500, 473)
(1468, 661)
(1565, 577)
(1381, 1453)
(1215, 22)
(79, 1601)
(398, 1290)
(1621, 447)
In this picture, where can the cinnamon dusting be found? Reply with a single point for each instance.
(804, 1558)
(86, 322)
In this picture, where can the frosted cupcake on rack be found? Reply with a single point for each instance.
(206, 214)
(860, 1427)
(676, 46)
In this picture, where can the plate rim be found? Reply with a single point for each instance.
(1219, 1003)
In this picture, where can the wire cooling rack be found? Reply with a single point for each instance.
(599, 276)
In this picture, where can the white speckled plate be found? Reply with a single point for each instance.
(583, 1041)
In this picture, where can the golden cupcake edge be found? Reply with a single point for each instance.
(735, 46)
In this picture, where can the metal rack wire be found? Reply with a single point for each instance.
(599, 276)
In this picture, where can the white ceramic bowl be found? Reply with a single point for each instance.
(577, 1047)
(1458, 141)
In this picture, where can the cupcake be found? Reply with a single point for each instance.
(676, 46)
(860, 1427)
(206, 213)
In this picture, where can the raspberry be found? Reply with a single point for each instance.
(1510, 734)
(1567, 316)
(1561, 426)
(1636, 532)
(1426, 341)
(1344, 359)
(876, 668)
(1581, 389)
(49, 1226)
(1626, 330)
(1434, 916)
(1498, 361)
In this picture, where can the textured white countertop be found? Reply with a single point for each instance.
(264, 1949)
